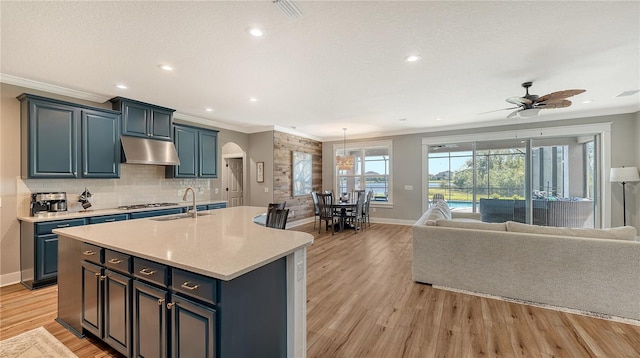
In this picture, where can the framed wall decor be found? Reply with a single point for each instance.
(260, 172)
(302, 173)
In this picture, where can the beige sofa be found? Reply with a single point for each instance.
(526, 262)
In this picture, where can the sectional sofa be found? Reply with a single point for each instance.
(593, 270)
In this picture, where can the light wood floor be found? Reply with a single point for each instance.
(363, 303)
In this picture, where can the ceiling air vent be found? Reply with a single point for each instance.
(288, 8)
(628, 93)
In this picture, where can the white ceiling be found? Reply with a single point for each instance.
(338, 65)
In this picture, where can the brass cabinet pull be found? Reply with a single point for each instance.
(147, 272)
(89, 252)
(160, 301)
(102, 278)
(97, 274)
(109, 220)
(115, 261)
(170, 305)
(63, 225)
(188, 286)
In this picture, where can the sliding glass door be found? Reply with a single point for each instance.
(548, 181)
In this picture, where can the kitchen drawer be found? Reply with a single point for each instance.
(217, 206)
(92, 253)
(202, 207)
(46, 227)
(193, 285)
(108, 218)
(117, 261)
(152, 213)
(151, 271)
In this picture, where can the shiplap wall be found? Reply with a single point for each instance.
(284, 145)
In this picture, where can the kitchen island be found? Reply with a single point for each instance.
(220, 277)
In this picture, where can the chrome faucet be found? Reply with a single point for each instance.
(194, 212)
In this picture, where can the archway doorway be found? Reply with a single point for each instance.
(233, 174)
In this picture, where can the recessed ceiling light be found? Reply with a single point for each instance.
(587, 101)
(166, 67)
(255, 32)
(208, 109)
(121, 86)
(628, 93)
(402, 119)
(413, 58)
(253, 99)
(438, 119)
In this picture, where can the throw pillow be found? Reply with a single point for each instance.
(618, 233)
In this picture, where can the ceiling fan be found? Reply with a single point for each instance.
(530, 104)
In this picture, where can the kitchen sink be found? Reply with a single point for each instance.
(177, 217)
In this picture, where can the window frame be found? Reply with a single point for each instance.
(338, 149)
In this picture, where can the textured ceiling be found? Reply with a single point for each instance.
(338, 65)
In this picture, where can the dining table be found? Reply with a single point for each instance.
(344, 206)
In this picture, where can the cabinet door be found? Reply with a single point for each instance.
(149, 321)
(186, 141)
(92, 298)
(194, 329)
(117, 312)
(100, 144)
(160, 125)
(135, 119)
(208, 151)
(53, 140)
(46, 257)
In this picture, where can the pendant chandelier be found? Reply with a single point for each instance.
(344, 162)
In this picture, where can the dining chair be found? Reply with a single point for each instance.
(327, 214)
(366, 208)
(278, 205)
(316, 208)
(277, 218)
(356, 216)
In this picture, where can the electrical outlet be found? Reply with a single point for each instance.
(293, 213)
(217, 190)
(266, 189)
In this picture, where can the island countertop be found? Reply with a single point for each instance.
(223, 244)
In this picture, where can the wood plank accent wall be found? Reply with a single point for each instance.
(284, 145)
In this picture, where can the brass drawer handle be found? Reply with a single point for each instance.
(115, 261)
(89, 252)
(188, 286)
(160, 301)
(63, 225)
(109, 220)
(170, 305)
(147, 272)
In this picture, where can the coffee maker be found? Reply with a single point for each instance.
(48, 202)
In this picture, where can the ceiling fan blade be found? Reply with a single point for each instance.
(520, 101)
(524, 113)
(559, 95)
(514, 113)
(554, 103)
(498, 110)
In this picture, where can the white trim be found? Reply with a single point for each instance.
(604, 129)
(361, 145)
(9, 278)
(296, 133)
(393, 221)
(63, 91)
(207, 122)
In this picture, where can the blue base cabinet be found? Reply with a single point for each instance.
(193, 329)
(149, 321)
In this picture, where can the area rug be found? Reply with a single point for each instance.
(36, 343)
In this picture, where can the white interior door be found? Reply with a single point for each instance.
(234, 182)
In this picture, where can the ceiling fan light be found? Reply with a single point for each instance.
(528, 113)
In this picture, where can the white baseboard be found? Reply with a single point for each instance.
(9, 279)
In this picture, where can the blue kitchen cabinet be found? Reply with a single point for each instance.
(141, 119)
(100, 144)
(67, 140)
(198, 151)
(149, 321)
(39, 252)
(193, 328)
(152, 213)
(108, 218)
(216, 206)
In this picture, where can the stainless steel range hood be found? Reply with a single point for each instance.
(149, 151)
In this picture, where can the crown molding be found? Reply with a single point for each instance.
(41, 86)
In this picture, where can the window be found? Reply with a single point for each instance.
(371, 170)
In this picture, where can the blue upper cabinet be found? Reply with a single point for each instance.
(144, 120)
(100, 144)
(66, 140)
(198, 150)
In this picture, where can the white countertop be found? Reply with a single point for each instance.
(101, 212)
(224, 244)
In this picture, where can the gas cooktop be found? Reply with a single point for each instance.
(145, 206)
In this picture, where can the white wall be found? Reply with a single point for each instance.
(407, 163)
(637, 191)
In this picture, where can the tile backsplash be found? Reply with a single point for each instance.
(138, 184)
